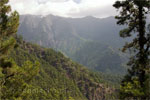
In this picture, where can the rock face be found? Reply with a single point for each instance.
(36, 29)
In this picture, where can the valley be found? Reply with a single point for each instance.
(90, 41)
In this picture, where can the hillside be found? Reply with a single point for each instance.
(72, 36)
(103, 59)
(59, 77)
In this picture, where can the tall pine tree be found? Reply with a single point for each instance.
(133, 14)
(13, 79)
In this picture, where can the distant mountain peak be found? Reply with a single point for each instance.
(90, 17)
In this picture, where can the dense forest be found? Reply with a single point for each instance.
(57, 58)
(60, 78)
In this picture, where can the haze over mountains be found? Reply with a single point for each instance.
(89, 28)
(90, 41)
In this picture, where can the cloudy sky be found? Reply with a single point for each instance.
(66, 8)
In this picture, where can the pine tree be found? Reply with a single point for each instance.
(133, 14)
(8, 27)
(14, 79)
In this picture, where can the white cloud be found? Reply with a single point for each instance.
(66, 8)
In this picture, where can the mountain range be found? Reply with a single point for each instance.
(90, 41)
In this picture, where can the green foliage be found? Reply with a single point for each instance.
(17, 80)
(133, 14)
(132, 88)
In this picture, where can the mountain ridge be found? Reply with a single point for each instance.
(69, 35)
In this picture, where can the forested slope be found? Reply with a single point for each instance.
(59, 77)
(100, 57)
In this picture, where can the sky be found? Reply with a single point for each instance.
(65, 8)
